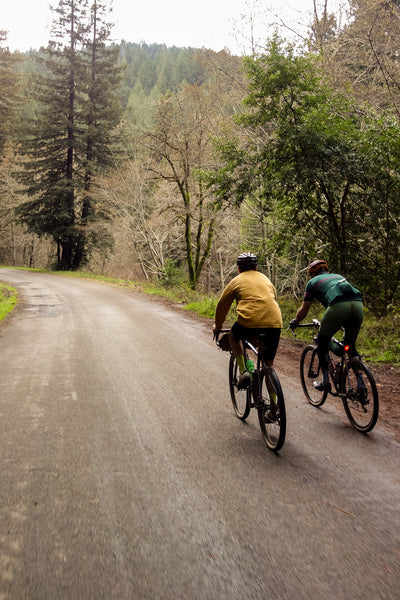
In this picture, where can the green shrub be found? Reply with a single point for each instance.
(8, 299)
(171, 274)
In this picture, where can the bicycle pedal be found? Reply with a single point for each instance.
(322, 387)
(270, 417)
(270, 412)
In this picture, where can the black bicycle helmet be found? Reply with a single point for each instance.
(247, 261)
(316, 267)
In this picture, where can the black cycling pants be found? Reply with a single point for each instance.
(271, 342)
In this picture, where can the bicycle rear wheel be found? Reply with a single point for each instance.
(361, 401)
(309, 372)
(240, 398)
(271, 412)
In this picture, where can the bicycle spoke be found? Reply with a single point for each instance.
(240, 398)
(271, 410)
(361, 397)
(309, 374)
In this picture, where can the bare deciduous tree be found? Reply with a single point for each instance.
(365, 53)
(179, 149)
(139, 218)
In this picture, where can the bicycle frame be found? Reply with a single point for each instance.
(338, 383)
(247, 345)
(255, 374)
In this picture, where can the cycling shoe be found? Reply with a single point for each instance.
(244, 380)
(322, 386)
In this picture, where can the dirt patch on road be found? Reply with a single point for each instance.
(387, 380)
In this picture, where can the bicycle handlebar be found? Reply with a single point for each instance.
(218, 332)
(315, 323)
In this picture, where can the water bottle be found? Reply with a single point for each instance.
(335, 347)
(249, 366)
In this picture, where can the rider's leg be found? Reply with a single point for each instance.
(352, 327)
(322, 351)
(237, 351)
(268, 349)
(331, 322)
(271, 391)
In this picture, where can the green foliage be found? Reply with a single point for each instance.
(322, 167)
(9, 91)
(204, 307)
(304, 171)
(171, 274)
(379, 337)
(156, 68)
(377, 225)
(8, 300)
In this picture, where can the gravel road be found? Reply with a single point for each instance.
(125, 474)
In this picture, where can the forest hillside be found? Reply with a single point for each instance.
(163, 163)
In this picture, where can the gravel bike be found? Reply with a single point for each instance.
(264, 392)
(351, 381)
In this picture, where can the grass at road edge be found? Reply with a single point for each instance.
(8, 300)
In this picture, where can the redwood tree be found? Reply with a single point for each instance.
(67, 139)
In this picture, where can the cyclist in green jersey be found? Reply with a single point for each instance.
(344, 308)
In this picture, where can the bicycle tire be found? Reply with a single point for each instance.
(271, 415)
(361, 403)
(309, 371)
(241, 399)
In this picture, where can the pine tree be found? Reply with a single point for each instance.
(8, 90)
(68, 139)
(53, 146)
(102, 112)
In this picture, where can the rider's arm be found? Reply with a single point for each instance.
(303, 311)
(223, 306)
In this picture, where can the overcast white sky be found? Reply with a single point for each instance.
(195, 23)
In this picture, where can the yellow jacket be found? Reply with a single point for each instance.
(257, 304)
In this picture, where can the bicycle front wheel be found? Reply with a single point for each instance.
(309, 372)
(271, 410)
(360, 401)
(241, 399)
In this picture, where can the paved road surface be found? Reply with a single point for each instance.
(124, 473)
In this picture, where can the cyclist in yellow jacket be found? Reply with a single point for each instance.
(257, 312)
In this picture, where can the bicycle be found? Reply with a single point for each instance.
(264, 382)
(351, 381)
